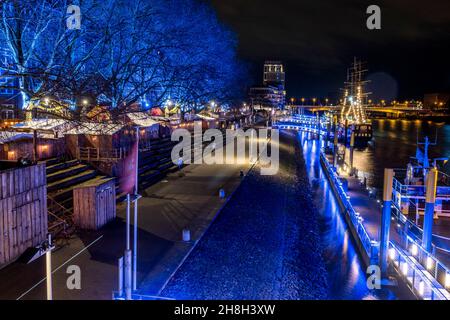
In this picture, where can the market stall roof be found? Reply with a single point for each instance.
(201, 116)
(45, 124)
(96, 129)
(11, 136)
(142, 119)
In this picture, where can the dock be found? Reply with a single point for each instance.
(426, 274)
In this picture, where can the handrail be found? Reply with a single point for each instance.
(354, 216)
(90, 153)
(418, 279)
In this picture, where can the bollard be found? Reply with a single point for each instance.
(431, 185)
(128, 275)
(335, 143)
(352, 145)
(222, 194)
(186, 235)
(120, 278)
(386, 219)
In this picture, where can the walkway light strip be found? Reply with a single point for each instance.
(429, 263)
(421, 288)
(405, 268)
(392, 253)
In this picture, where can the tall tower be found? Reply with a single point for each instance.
(274, 74)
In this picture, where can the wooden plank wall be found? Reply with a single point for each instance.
(94, 205)
(23, 211)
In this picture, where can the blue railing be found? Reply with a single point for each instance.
(369, 245)
(417, 278)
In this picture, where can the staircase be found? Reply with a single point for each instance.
(62, 178)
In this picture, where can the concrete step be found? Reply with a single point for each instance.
(70, 181)
(60, 166)
(65, 173)
(64, 195)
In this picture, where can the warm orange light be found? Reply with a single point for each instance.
(11, 155)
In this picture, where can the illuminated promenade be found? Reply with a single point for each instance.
(363, 214)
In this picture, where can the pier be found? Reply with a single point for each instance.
(425, 273)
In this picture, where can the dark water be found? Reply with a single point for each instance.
(395, 142)
(346, 274)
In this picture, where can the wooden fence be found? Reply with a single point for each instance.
(23, 211)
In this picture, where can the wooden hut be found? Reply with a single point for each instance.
(98, 141)
(38, 139)
(94, 204)
(149, 128)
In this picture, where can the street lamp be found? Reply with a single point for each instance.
(314, 101)
(326, 101)
(303, 101)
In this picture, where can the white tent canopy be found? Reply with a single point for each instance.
(142, 119)
(45, 124)
(96, 129)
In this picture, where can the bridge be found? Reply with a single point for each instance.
(387, 110)
(425, 272)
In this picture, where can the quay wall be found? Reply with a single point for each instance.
(367, 249)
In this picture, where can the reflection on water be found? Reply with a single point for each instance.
(395, 142)
(346, 275)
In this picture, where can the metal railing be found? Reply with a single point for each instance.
(97, 154)
(369, 245)
(406, 190)
(417, 278)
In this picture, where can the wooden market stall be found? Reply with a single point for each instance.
(37, 139)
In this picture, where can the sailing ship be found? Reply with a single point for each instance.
(353, 117)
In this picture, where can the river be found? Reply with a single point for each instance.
(346, 273)
(394, 143)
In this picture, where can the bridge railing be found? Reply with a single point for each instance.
(417, 278)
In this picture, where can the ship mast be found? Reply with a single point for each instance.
(355, 97)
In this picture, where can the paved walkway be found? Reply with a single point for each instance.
(187, 200)
(265, 244)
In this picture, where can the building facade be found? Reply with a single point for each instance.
(9, 96)
(274, 74)
(436, 101)
(273, 93)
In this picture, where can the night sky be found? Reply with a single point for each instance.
(317, 40)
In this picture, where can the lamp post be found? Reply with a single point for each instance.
(431, 186)
(48, 247)
(386, 219)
